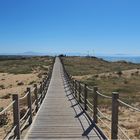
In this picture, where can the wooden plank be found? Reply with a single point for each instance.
(60, 117)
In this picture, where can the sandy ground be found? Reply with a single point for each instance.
(9, 84)
(82, 77)
(126, 73)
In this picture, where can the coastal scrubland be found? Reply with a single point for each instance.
(121, 76)
(16, 74)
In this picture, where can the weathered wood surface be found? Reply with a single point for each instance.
(60, 116)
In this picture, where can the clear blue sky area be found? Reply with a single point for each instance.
(65, 26)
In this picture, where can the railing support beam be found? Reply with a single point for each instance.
(85, 97)
(75, 89)
(79, 92)
(29, 102)
(16, 115)
(115, 108)
(95, 104)
(36, 97)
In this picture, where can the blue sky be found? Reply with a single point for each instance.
(65, 26)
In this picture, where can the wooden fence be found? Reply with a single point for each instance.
(81, 93)
(32, 100)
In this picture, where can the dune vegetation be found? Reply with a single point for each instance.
(16, 74)
(122, 77)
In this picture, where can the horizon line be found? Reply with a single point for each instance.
(29, 53)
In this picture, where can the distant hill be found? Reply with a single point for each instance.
(32, 54)
(23, 54)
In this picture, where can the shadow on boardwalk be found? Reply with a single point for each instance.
(79, 112)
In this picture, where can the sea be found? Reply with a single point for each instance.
(133, 59)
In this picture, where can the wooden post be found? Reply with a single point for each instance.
(79, 92)
(73, 86)
(67, 78)
(115, 109)
(85, 97)
(75, 89)
(95, 104)
(70, 79)
(43, 85)
(36, 97)
(29, 101)
(41, 92)
(46, 88)
(41, 88)
(69, 82)
(16, 115)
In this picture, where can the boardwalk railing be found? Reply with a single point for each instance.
(23, 117)
(89, 99)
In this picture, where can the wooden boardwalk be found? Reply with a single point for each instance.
(60, 116)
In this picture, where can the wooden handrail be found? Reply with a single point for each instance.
(16, 115)
(85, 97)
(29, 104)
(95, 104)
(36, 97)
(115, 109)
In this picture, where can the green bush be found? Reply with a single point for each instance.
(2, 87)
(3, 119)
(120, 73)
(6, 96)
(32, 82)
